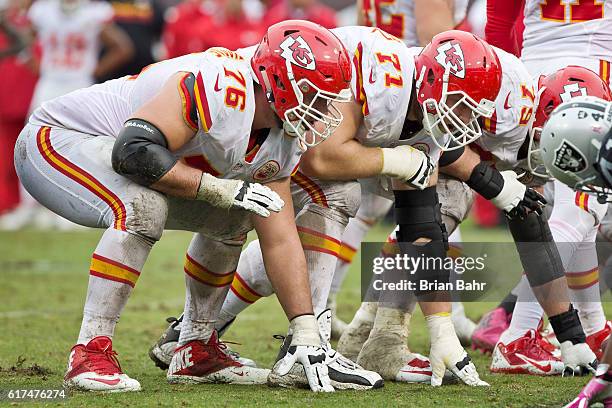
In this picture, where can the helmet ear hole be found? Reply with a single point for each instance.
(431, 77)
(279, 83)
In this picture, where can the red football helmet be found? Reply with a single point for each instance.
(303, 67)
(554, 89)
(458, 64)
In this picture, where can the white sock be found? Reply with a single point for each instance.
(209, 270)
(114, 270)
(527, 314)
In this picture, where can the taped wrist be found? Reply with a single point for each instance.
(305, 331)
(486, 181)
(417, 212)
(539, 254)
(218, 192)
(141, 153)
(567, 326)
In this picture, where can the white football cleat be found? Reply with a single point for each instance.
(94, 367)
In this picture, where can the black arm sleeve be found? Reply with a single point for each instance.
(449, 157)
(141, 152)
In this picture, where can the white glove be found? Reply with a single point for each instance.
(227, 194)
(578, 359)
(408, 164)
(512, 192)
(446, 352)
(306, 349)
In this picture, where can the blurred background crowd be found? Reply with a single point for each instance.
(52, 47)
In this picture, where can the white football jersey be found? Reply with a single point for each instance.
(505, 133)
(382, 77)
(221, 113)
(396, 17)
(565, 28)
(70, 41)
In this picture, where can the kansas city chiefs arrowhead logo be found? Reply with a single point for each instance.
(450, 56)
(572, 90)
(569, 158)
(298, 52)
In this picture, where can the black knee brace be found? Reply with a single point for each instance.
(538, 252)
(417, 212)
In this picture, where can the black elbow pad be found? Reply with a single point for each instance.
(141, 152)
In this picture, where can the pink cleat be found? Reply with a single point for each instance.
(489, 329)
(590, 391)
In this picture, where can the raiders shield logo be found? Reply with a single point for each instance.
(266, 171)
(298, 52)
(569, 158)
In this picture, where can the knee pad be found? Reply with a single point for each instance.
(538, 252)
(417, 213)
(147, 214)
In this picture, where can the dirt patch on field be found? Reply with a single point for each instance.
(20, 368)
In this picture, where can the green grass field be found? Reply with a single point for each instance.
(43, 278)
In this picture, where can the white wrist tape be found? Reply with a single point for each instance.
(305, 331)
(402, 162)
(218, 192)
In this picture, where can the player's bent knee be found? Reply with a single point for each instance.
(147, 214)
(422, 234)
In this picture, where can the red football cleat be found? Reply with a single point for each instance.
(200, 362)
(489, 329)
(525, 355)
(94, 367)
(597, 341)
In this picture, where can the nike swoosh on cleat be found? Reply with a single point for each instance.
(416, 372)
(240, 374)
(546, 368)
(217, 89)
(105, 381)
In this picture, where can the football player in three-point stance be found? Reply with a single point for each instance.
(556, 35)
(576, 146)
(391, 85)
(415, 22)
(185, 145)
(520, 349)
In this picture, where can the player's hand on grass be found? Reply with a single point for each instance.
(312, 358)
(578, 359)
(446, 352)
